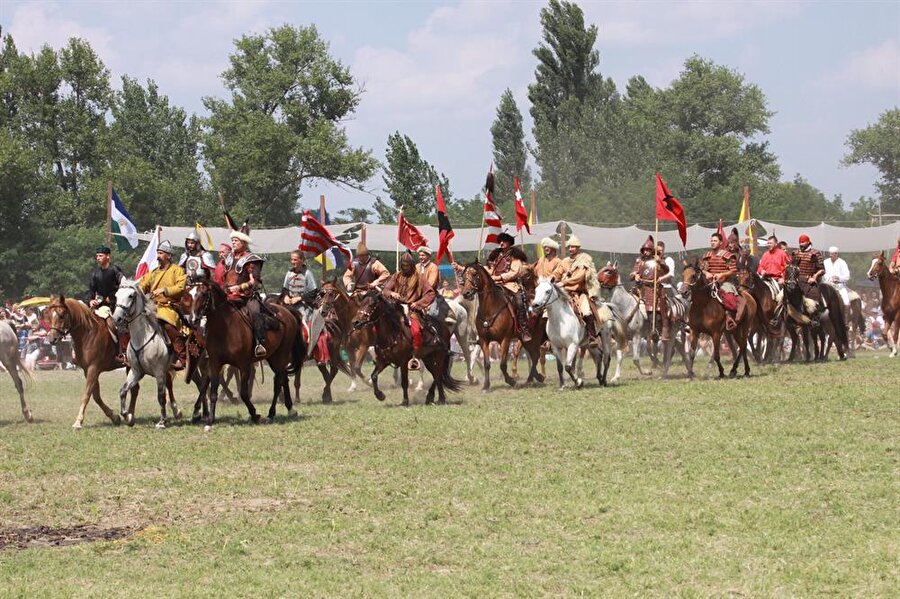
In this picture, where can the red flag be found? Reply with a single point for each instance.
(669, 208)
(521, 213)
(721, 231)
(446, 231)
(491, 217)
(315, 238)
(409, 236)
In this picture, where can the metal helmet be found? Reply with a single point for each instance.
(193, 236)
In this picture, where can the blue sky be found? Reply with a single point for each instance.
(435, 70)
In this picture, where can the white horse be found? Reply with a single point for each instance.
(567, 333)
(12, 361)
(148, 352)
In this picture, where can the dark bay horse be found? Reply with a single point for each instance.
(229, 340)
(356, 342)
(890, 300)
(766, 325)
(707, 315)
(394, 346)
(832, 327)
(496, 321)
(95, 349)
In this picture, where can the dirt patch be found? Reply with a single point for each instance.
(45, 536)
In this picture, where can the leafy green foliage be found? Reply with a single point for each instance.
(510, 154)
(879, 145)
(410, 183)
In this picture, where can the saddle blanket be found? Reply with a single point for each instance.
(729, 300)
(320, 354)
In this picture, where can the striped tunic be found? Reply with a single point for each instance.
(809, 262)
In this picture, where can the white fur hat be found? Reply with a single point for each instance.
(833, 250)
(242, 236)
(546, 242)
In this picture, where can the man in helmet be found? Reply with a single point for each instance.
(837, 273)
(647, 272)
(364, 272)
(720, 266)
(549, 262)
(101, 295)
(578, 276)
(507, 268)
(166, 284)
(299, 284)
(410, 288)
(203, 266)
(243, 275)
(810, 264)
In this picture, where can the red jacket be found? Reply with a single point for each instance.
(773, 263)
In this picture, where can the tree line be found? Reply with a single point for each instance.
(65, 131)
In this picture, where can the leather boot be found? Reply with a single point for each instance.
(259, 335)
(522, 317)
(177, 343)
(114, 331)
(741, 306)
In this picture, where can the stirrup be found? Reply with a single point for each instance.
(730, 323)
(414, 364)
(260, 350)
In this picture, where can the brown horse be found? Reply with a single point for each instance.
(394, 346)
(229, 340)
(356, 342)
(496, 321)
(766, 325)
(707, 315)
(890, 300)
(95, 349)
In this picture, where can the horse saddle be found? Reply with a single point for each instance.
(773, 287)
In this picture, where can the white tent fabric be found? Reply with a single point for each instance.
(619, 240)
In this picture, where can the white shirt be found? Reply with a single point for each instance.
(836, 271)
(671, 264)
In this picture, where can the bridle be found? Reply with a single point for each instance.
(54, 310)
(132, 314)
(369, 315)
(554, 293)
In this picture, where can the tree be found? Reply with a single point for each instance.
(410, 183)
(510, 157)
(282, 124)
(354, 215)
(879, 145)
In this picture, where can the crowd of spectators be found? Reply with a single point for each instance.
(31, 329)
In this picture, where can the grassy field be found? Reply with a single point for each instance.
(785, 484)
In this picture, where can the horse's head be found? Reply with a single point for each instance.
(330, 296)
(745, 277)
(129, 303)
(196, 303)
(545, 294)
(371, 309)
(59, 317)
(876, 267)
(473, 279)
(608, 276)
(692, 277)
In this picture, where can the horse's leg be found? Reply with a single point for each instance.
(326, 376)
(516, 351)
(404, 380)
(431, 365)
(692, 352)
(469, 356)
(621, 342)
(571, 357)
(297, 382)
(131, 380)
(486, 364)
(12, 367)
(717, 348)
(504, 356)
(202, 383)
(95, 392)
(162, 382)
(247, 376)
(176, 411)
(215, 373)
(278, 382)
(379, 366)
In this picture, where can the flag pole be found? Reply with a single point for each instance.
(109, 213)
(655, 274)
(397, 257)
(481, 234)
(322, 220)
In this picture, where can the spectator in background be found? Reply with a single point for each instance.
(446, 292)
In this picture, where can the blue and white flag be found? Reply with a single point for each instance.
(122, 226)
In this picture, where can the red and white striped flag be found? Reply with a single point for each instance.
(492, 219)
(315, 238)
(148, 260)
(521, 213)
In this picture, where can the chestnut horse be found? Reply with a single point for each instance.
(707, 315)
(356, 342)
(890, 300)
(496, 321)
(95, 349)
(229, 340)
(394, 346)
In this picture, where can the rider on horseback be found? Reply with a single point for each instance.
(101, 294)
(773, 261)
(837, 273)
(204, 264)
(507, 261)
(549, 262)
(364, 272)
(577, 275)
(439, 308)
(647, 272)
(720, 266)
(299, 283)
(811, 268)
(410, 288)
(243, 275)
(166, 284)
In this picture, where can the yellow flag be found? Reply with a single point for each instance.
(745, 216)
(204, 235)
(539, 250)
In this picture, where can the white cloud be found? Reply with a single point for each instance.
(876, 68)
(38, 24)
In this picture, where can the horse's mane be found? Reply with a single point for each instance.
(80, 313)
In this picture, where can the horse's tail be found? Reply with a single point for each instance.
(448, 382)
(857, 313)
(25, 373)
(836, 312)
(298, 347)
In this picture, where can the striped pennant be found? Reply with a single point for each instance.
(315, 238)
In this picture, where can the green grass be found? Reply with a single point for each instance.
(782, 485)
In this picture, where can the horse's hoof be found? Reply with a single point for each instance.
(732, 375)
(117, 420)
(255, 419)
(268, 420)
(196, 418)
(485, 391)
(379, 396)
(161, 425)
(28, 416)
(179, 414)
(129, 419)
(77, 426)
(207, 428)
(539, 378)
(579, 384)
(292, 413)
(328, 400)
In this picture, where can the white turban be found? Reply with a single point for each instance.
(833, 250)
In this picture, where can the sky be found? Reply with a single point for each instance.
(435, 71)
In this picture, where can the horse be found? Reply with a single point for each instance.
(229, 340)
(12, 362)
(148, 352)
(95, 349)
(496, 321)
(567, 333)
(356, 342)
(767, 309)
(856, 323)
(631, 321)
(831, 322)
(707, 315)
(463, 336)
(890, 300)
(394, 345)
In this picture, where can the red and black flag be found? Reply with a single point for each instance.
(669, 208)
(446, 231)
